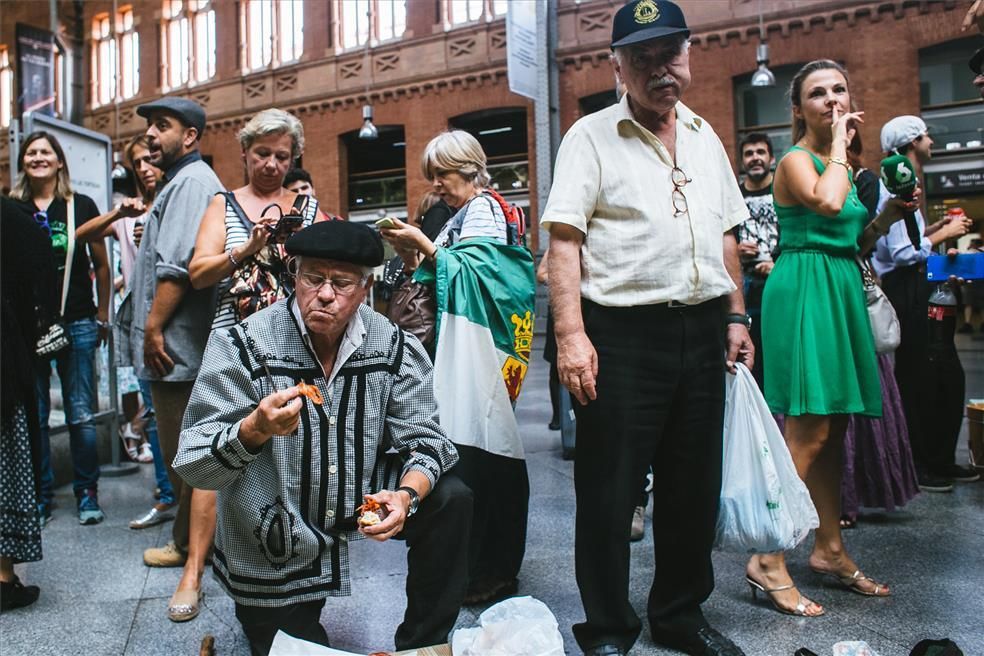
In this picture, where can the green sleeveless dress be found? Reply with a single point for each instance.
(819, 354)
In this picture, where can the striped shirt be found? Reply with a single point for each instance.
(236, 235)
(285, 515)
(479, 217)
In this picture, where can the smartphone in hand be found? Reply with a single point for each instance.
(285, 227)
(386, 222)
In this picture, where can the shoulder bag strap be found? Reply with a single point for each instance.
(238, 209)
(70, 252)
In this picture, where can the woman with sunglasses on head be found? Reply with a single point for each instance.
(240, 245)
(822, 365)
(125, 223)
(44, 187)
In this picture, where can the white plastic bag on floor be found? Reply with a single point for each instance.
(520, 626)
(765, 507)
(859, 648)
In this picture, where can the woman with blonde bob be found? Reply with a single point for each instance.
(456, 166)
(240, 248)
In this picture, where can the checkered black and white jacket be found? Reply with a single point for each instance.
(285, 515)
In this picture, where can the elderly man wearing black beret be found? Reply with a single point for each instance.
(293, 464)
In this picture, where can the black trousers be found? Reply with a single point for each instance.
(501, 489)
(754, 287)
(660, 403)
(437, 568)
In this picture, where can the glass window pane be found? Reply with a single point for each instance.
(355, 22)
(6, 87)
(172, 8)
(204, 45)
(392, 19)
(956, 127)
(458, 11)
(475, 9)
(291, 30)
(943, 73)
(349, 25)
(500, 7)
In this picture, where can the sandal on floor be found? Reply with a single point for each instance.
(146, 455)
(184, 605)
(852, 583)
(130, 441)
(801, 605)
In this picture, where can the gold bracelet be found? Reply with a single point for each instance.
(843, 162)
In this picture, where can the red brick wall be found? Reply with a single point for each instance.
(877, 39)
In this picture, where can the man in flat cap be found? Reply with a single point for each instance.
(292, 466)
(645, 287)
(167, 322)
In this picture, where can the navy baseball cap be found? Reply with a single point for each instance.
(642, 20)
(188, 111)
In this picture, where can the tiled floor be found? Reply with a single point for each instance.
(98, 599)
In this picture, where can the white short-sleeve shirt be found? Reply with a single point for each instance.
(612, 182)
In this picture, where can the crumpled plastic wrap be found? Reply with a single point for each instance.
(856, 648)
(520, 626)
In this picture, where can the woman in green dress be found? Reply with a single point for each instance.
(821, 364)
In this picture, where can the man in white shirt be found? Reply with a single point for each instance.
(646, 295)
(931, 387)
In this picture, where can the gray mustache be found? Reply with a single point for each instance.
(665, 81)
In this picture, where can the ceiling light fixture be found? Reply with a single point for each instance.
(762, 77)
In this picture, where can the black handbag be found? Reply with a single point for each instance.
(56, 339)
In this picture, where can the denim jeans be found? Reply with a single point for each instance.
(150, 429)
(75, 369)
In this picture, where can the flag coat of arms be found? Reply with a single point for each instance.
(485, 294)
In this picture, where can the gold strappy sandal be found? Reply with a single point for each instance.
(853, 581)
(801, 606)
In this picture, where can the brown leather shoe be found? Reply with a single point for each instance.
(167, 556)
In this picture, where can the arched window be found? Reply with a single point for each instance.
(460, 12)
(274, 32)
(187, 42)
(6, 87)
(370, 20)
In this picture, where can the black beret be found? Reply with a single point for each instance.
(343, 241)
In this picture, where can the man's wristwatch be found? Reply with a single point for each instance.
(743, 319)
(414, 498)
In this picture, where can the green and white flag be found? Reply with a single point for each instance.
(485, 303)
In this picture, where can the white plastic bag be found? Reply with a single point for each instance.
(859, 648)
(765, 507)
(519, 626)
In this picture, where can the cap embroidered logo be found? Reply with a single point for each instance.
(646, 12)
